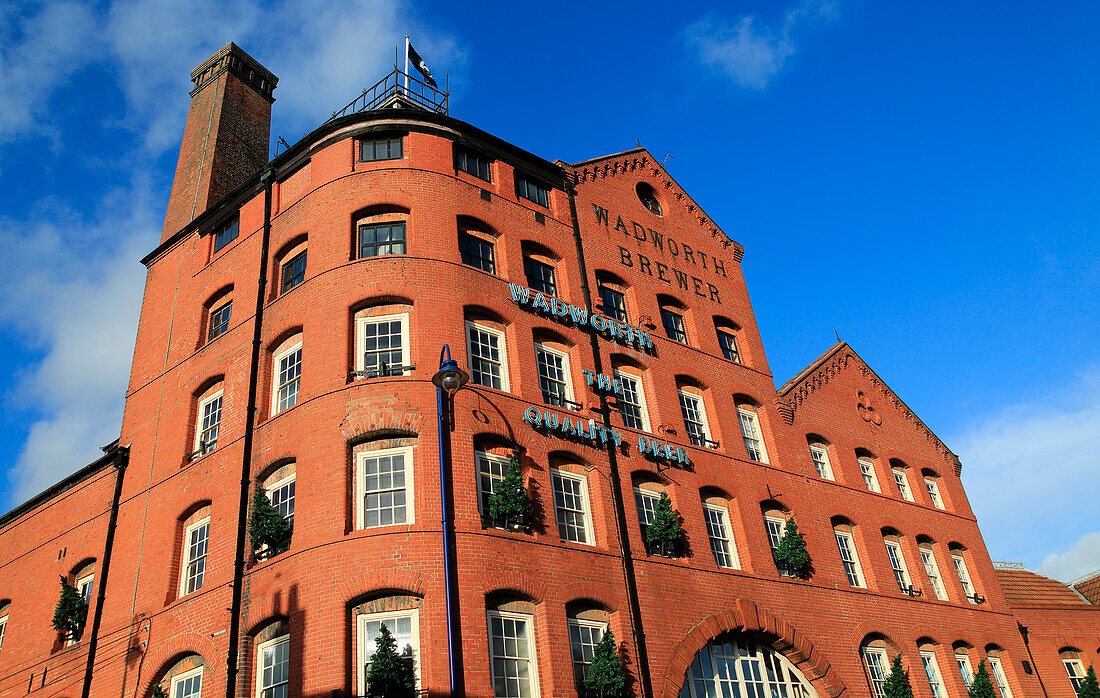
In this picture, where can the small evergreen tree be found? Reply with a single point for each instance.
(791, 552)
(391, 675)
(508, 502)
(158, 692)
(981, 687)
(605, 674)
(267, 526)
(897, 681)
(665, 529)
(71, 610)
(1089, 687)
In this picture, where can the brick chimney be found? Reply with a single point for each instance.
(226, 136)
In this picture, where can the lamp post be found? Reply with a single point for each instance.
(448, 380)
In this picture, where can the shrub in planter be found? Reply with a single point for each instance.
(391, 674)
(605, 674)
(897, 681)
(158, 692)
(508, 504)
(664, 533)
(981, 687)
(1089, 687)
(267, 526)
(71, 611)
(791, 553)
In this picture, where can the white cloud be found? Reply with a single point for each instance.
(748, 51)
(1081, 558)
(1030, 474)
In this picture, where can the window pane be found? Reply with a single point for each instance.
(381, 149)
(219, 319)
(226, 234)
(632, 402)
(570, 507)
(691, 407)
(383, 349)
(718, 532)
(209, 424)
(674, 326)
(510, 657)
(294, 272)
(750, 432)
(729, 346)
(540, 276)
(614, 303)
(381, 239)
(553, 370)
(289, 378)
(486, 360)
(583, 638)
(476, 253)
(384, 490)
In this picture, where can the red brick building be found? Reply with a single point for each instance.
(292, 323)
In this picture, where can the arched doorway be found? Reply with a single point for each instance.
(735, 664)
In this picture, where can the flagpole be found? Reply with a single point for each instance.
(406, 63)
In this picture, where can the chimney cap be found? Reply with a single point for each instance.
(235, 59)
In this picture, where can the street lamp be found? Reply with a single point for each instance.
(448, 380)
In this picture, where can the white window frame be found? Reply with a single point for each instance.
(1075, 670)
(502, 339)
(360, 485)
(727, 535)
(1000, 680)
(897, 564)
(3, 629)
(276, 486)
(959, 562)
(580, 623)
(645, 494)
(701, 408)
(901, 479)
(177, 680)
(639, 388)
(932, 570)
(966, 670)
(934, 493)
(758, 436)
(364, 653)
(361, 340)
(586, 509)
(823, 467)
(532, 659)
(781, 523)
(198, 426)
(276, 370)
(85, 582)
(932, 672)
(870, 477)
(187, 555)
(504, 461)
(846, 542)
(566, 371)
(880, 664)
(259, 661)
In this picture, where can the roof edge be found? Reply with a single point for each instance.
(110, 451)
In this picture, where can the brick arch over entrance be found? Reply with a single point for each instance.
(746, 616)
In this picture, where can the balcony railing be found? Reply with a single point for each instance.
(398, 88)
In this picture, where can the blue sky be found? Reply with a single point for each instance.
(921, 179)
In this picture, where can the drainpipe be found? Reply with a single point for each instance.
(267, 178)
(613, 465)
(121, 455)
(1023, 633)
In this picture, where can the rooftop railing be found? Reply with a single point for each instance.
(398, 87)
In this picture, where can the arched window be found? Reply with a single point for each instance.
(727, 332)
(208, 427)
(716, 513)
(736, 664)
(876, 661)
(382, 346)
(927, 551)
(866, 461)
(997, 670)
(555, 375)
(632, 402)
(217, 312)
(612, 291)
(892, 541)
(932, 486)
(184, 678)
(195, 547)
(900, 471)
(5, 608)
(286, 369)
(486, 351)
(513, 660)
(647, 492)
(962, 659)
(1071, 660)
(290, 263)
(272, 665)
(384, 482)
(493, 458)
(775, 523)
(381, 231)
(819, 454)
(844, 533)
(400, 614)
(539, 266)
(279, 486)
(672, 318)
(927, 651)
(477, 244)
(694, 412)
(587, 625)
(751, 432)
(572, 511)
(958, 560)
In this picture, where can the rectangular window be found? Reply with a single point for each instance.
(571, 506)
(404, 626)
(870, 479)
(553, 368)
(902, 483)
(728, 342)
(195, 540)
(219, 319)
(540, 276)
(632, 401)
(532, 191)
(84, 588)
(378, 239)
(614, 303)
(999, 679)
(932, 671)
(491, 469)
(512, 656)
(226, 234)
(281, 495)
(695, 418)
(288, 368)
(1075, 672)
(385, 482)
(383, 345)
(897, 563)
(774, 527)
(294, 272)
(381, 149)
(933, 572)
(476, 253)
(188, 685)
(646, 502)
(273, 668)
(965, 670)
(964, 578)
(210, 419)
(488, 361)
(584, 635)
(820, 456)
(933, 493)
(718, 531)
(470, 163)
(674, 326)
(849, 558)
(750, 432)
(875, 661)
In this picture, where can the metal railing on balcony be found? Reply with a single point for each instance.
(398, 87)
